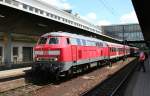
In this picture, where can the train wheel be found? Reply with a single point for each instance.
(35, 71)
(110, 64)
(57, 76)
(86, 67)
(98, 64)
(70, 72)
(83, 68)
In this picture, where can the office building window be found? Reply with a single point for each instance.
(15, 3)
(41, 12)
(52, 15)
(8, 1)
(55, 16)
(25, 6)
(15, 51)
(31, 8)
(59, 18)
(36, 10)
(47, 14)
(1, 51)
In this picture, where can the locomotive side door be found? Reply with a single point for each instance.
(74, 53)
(117, 52)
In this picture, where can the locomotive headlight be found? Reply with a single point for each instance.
(37, 59)
(54, 52)
(55, 59)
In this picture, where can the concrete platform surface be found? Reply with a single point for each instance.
(140, 82)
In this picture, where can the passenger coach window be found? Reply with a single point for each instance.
(53, 41)
(84, 42)
(101, 44)
(73, 41)
(68, 41)
(93, 43)
(78, 42)
(42, 40)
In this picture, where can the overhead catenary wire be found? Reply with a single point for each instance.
(108, 7)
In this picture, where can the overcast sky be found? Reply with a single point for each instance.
(100, 12)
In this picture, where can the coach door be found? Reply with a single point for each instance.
(74, 53)
(117, 52)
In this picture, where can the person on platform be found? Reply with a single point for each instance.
(146, 57)
(142, 58)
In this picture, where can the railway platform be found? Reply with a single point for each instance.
(139, 84)
(13, 73)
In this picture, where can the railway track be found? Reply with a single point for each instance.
(18, 79)
(12, 79)
(22, 83)
(34, 85)
(110, 87)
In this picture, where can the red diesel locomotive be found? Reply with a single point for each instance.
(61, 52)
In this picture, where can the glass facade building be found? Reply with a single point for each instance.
(128, 32)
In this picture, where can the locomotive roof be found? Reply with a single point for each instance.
(135, 47)
(72, 35)
(110, 44)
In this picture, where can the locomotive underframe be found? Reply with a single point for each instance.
(55, 66)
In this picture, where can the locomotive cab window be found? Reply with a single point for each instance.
(42, 40)
(53, 40)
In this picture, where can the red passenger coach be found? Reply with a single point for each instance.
(61, 52)
(117, 50)
(134, 51)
